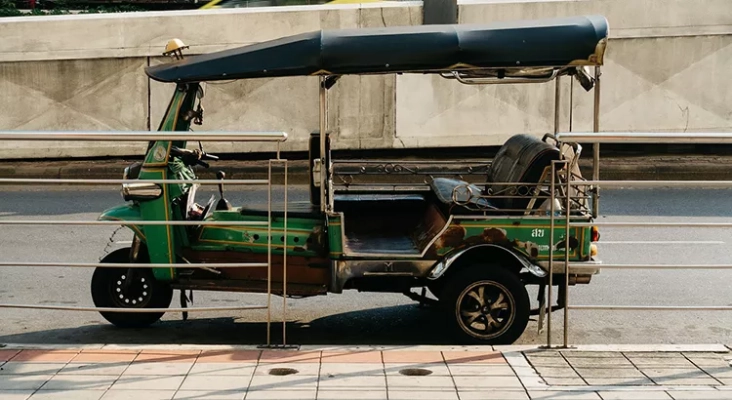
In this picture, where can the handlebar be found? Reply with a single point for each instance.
(192, 157)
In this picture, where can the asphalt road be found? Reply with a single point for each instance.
(364, 318)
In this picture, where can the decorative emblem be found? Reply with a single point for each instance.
(160, 152)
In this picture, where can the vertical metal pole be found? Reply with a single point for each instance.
(269, 250)
(557, 98)
(566, 255)
(596, 146)
(284, 270)
(323, 128)
(552, 198)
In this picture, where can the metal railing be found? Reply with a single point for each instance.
(271, 137)
(594, 185)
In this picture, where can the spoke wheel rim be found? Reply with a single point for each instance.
(485, 309)
(135, 295)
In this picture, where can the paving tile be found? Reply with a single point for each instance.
(351, 357)
(725, 381)
(114, 394)
(703, 354)
(672, 381)
(565, 381)
(178, 356)
(158, 368)
(481, 370)
(370, 394)
(586, 362)
(420, 382)
(634, 395)
(421, 395)
(115, 369)
(550, 395)
(25, 368)
(209, 395)
(302, 368)
(6, 355)
(404, 357)
(493, 395)
(437, 369)
(618, 381)
(711, 362)
(654, 354)
(79, 382)
(337, 369)
(492, 382)
(662, 362)
(287, 382)
(557, 362)
(216, 383)
(250, 356)
(277, 356)
(222, 369)
(67, 394)
(148, 382)
(23, 382)
(591, 354)
(105, 356)
(300, 394)
(45, 356)
(720, 373)
(610, 373)
(556, 372)
(674, 372)
(699, 395)
(15, 394)
(352, 383)
(473, 357)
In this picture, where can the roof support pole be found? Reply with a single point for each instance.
(323, 129)
(596, 146)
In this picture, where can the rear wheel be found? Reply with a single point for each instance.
(129, 288)
(486, 304)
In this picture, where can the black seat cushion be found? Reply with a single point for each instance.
(522, 159)
(467, 202)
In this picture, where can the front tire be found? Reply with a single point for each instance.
(486, 304)
(129, 288)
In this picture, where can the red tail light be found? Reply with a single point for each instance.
(595, 234)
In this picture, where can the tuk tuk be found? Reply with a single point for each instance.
(475, 246)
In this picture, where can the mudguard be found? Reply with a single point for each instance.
(126, 213)
(441, 267)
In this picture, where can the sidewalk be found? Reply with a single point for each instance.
(112, 372)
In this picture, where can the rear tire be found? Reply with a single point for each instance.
(109, 288)
(486, 304)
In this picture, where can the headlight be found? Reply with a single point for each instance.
(141, 191)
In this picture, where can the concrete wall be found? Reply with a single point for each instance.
(667, 70)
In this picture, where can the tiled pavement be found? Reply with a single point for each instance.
(417, 373)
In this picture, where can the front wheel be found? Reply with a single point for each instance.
(486, 304)
(129, 288)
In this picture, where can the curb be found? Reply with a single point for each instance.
(655, 348)
(687, 167)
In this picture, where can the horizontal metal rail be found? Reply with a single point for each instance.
(138, 223)
(646, 137)
(651, 308)
(655, 224)
(680, 184)
(649, 266)
(133, 265)
(131, 310)
(132, 136)
(124, 181)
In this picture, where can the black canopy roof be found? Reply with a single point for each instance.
(426, 48)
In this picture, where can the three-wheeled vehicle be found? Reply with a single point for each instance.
(475, 245)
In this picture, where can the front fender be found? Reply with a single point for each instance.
(125, 213)
(443, 265)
